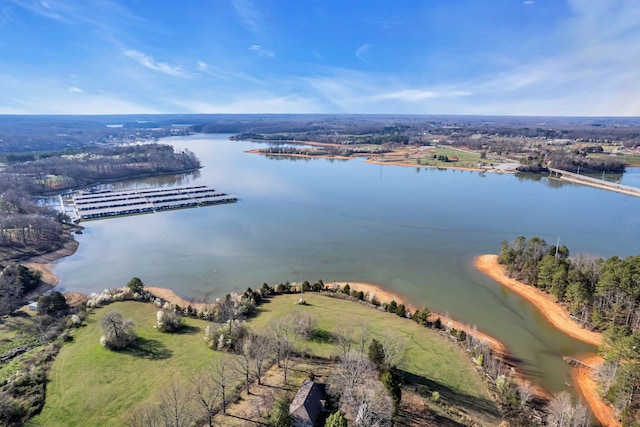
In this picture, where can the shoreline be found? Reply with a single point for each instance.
(386, 296)
(370, 158)
(42, 263)
(559, 317)
(555, 313)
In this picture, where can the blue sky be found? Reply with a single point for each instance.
(505, 57)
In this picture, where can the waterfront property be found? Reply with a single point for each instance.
(107, 203)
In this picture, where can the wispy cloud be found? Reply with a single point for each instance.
(261, 51)
(5, 15)
(75, 89)
(248, 12)
(251, 103)
(51, 9)
(229, 75)
(414, 95)
(149, 62)
(362, 51)
(529, 2)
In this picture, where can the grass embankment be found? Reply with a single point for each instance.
(93, 386)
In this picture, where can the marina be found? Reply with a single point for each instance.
(107, 203)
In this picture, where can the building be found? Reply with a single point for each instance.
(308, 403)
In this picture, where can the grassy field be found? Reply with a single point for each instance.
(429, 360)
(424, 157)
(93, 386)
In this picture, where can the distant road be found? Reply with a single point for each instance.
(594, 182)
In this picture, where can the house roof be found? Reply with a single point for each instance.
(308, 403)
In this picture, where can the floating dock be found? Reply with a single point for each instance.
(107, 203)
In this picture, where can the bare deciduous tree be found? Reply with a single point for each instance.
(206, 394)
(344, 334)
(259, 351)
(362, 396)
(525, 391)
(145, 416)
(222, 375)
(176, 406)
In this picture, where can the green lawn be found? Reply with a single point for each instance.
(430, 360)
(90, 385)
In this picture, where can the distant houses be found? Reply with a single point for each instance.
(308, 404)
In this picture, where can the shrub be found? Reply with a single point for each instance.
(226, 336)
(168, 320)
(118, 332)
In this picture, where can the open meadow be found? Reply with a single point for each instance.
(90, 385)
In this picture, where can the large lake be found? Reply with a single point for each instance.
(412, 231)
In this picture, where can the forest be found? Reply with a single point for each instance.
(601, 294)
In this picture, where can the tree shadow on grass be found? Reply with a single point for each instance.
(188, 330)
(322, 336)
(424, 387)
(149, 349)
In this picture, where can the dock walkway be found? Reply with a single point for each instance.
(106, 203)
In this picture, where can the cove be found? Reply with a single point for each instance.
(411, 231)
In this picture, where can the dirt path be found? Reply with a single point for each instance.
(559, 317)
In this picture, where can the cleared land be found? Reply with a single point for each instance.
(93, 386)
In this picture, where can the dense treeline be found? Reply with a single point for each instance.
(600, 293)
(95, 165)
(26, 228)
(576, 161)
(323, 151)
(603, 295)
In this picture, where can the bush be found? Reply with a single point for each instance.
(168, 321)
(118, 332)
(226, 336)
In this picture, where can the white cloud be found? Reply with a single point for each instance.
(261, 51)
(529, 2)
(151, 63)
(75, 89)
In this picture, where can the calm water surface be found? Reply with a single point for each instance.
(412, 231)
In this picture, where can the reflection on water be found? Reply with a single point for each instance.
(415, 233)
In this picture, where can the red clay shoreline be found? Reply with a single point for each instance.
(559, 317)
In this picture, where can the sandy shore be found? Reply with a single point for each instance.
(559, 317)
(583, 379)
(172, 297)
(383, 295)
(42, 263)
